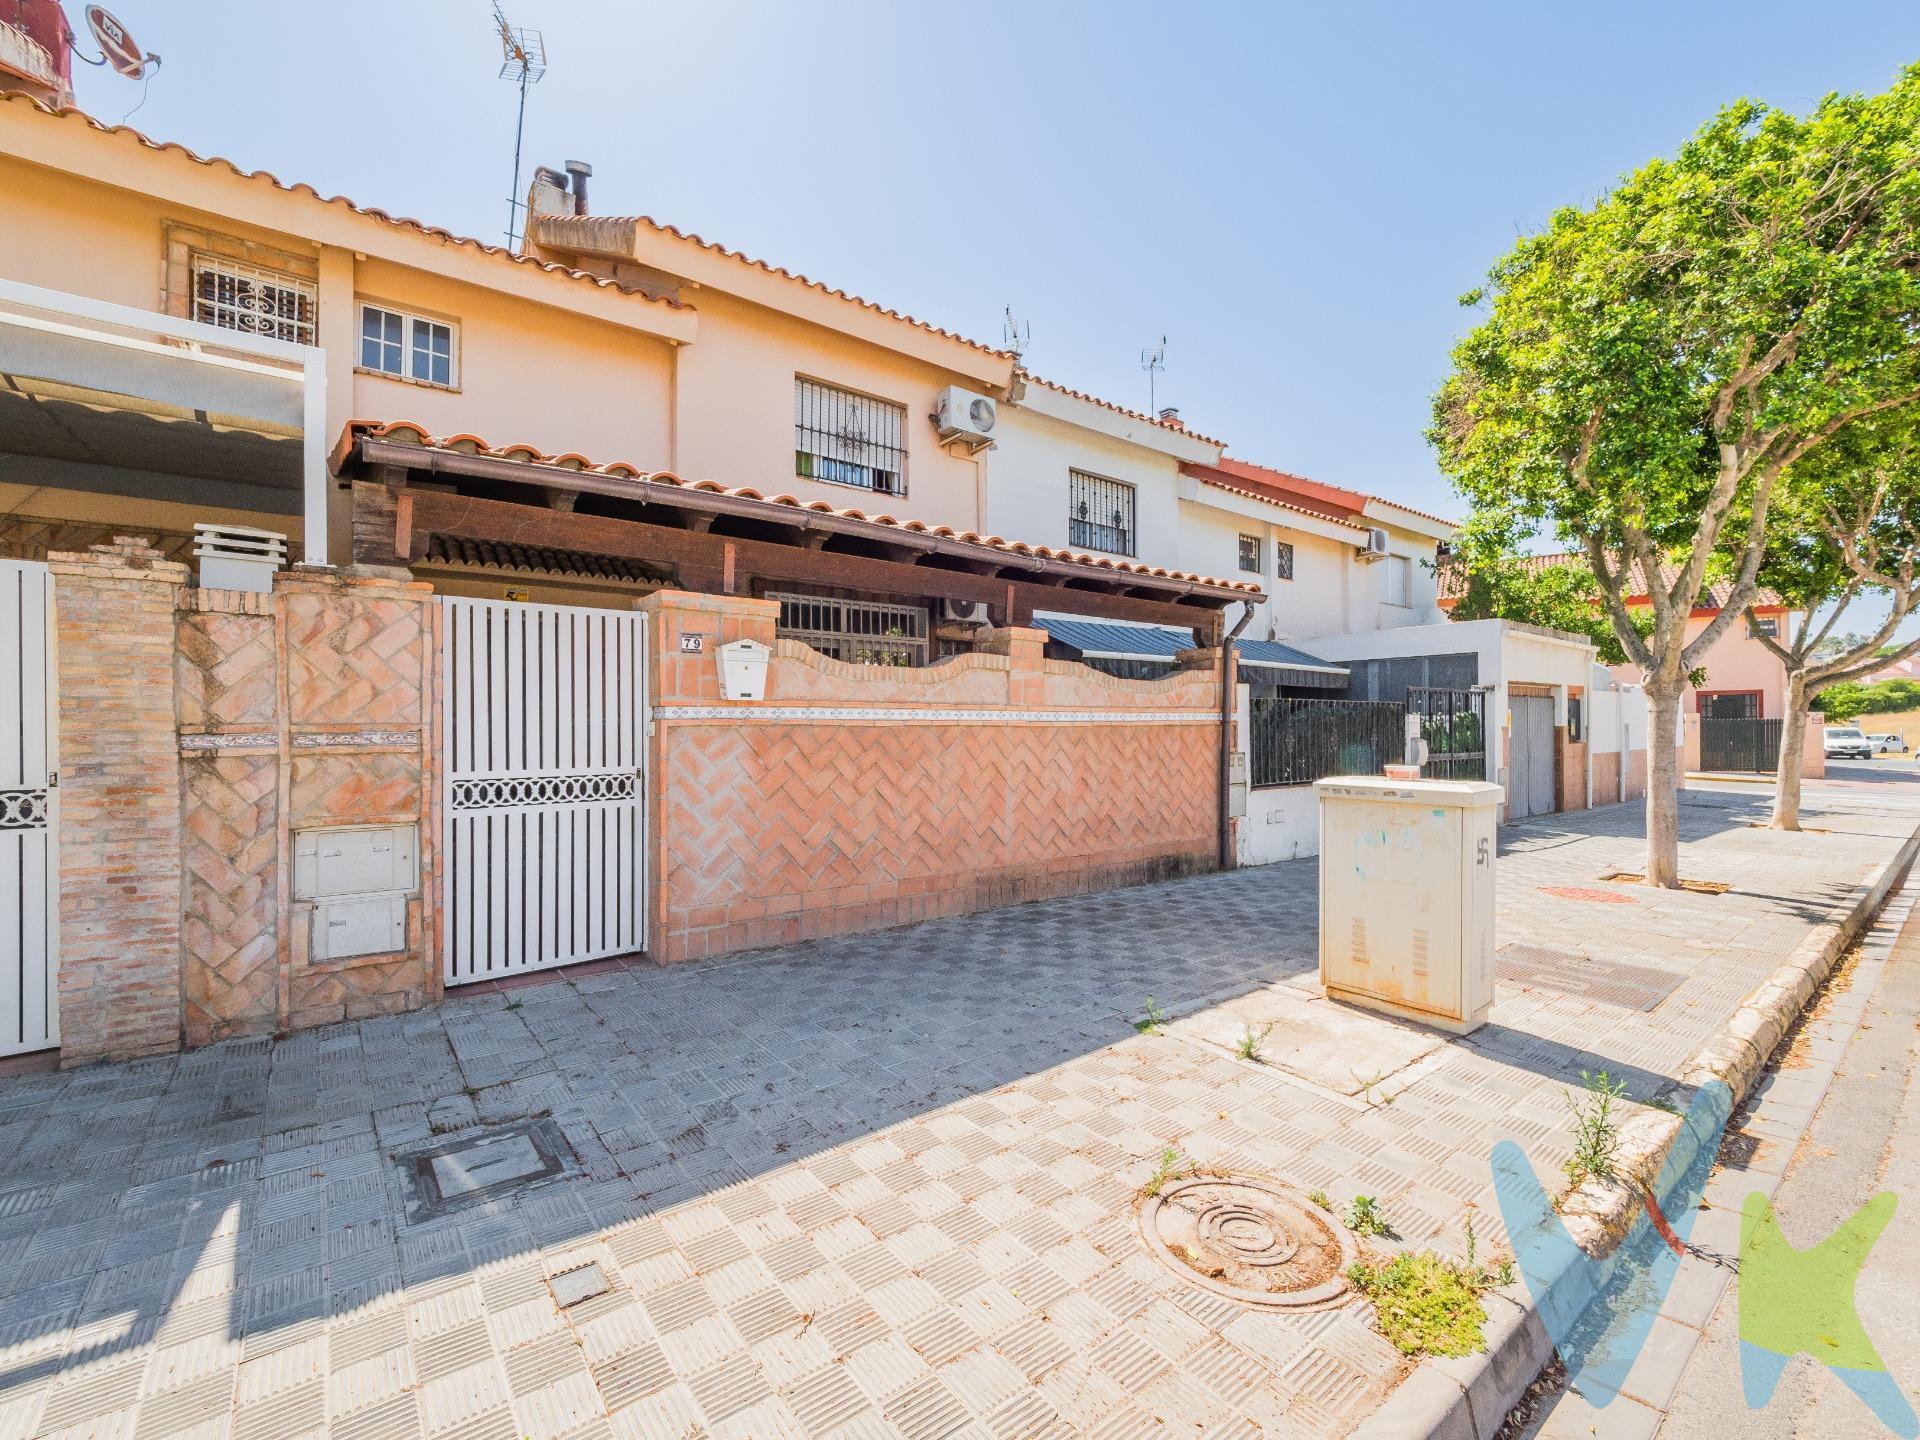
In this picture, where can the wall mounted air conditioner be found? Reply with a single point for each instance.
(1376, 546)
(965, 612)
(964, 417)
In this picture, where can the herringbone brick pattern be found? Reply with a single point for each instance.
(355, 660)
(354, 787)
(224, 673)
(230, 934)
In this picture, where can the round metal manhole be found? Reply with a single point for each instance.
(1250, 1240)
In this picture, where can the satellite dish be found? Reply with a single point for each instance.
(117, 45)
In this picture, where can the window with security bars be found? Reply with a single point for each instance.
(1100, 513)
(849, 439)
(1282, 560)
(1250, 553)
(258, 302)
(860, 632)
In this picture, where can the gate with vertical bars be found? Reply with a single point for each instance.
(29, 813)
(543, 851)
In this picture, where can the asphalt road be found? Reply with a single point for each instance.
(1865, 1138)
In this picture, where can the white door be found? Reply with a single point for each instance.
(543, 838)
(1530, 763)
(29, 813)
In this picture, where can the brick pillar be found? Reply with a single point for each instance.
(119, 802)
(1026, 652)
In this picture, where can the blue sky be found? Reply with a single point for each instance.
(1294, 195)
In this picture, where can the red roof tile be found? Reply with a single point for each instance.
(1453, 581)
(69, 113)
(411, 432)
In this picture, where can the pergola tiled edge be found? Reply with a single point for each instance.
(409, 486)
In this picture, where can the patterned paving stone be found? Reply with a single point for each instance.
(875, 1186)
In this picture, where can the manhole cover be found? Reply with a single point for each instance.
(1250, 1240)
(481, 1166)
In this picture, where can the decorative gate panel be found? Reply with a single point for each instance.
(29, 813)
(543, 851)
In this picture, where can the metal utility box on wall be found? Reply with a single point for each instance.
(359, 879)
(355, 860)
(1407, 895)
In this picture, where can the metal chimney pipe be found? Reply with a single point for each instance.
(579, 170)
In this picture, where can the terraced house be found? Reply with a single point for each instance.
(398, 611)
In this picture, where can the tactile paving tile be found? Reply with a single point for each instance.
(1611, 982)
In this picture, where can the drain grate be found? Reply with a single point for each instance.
(482, 1165)
(1611, 982)
(1249, 1240)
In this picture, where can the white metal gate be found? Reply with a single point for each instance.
(29, 813)
(543, 837)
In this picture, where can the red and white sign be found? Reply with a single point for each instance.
(122, 54)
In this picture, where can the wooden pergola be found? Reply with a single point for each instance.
(410, 488)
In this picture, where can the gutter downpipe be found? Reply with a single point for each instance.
(1227, 669)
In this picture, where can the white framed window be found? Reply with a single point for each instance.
(1100, 513)
(1250, 554)
(1399, 580)
(848, 439)
(242, 297)
(410, 347)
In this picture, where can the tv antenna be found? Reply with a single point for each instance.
(523, 61)
(1016, 334)
(1153, 360)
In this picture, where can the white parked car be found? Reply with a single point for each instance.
(1888, 745)
(1848, 742)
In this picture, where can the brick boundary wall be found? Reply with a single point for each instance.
(199, 730)
(857, 797)
(119, 979)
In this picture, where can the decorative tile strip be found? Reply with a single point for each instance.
(522, 790)
(23, 809)
(354, 740)
(803, 714)
(247, 740)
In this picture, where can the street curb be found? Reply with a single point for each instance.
(1469, 1398)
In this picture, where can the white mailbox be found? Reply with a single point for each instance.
(359, 925)
(743, 670)
(355, 860)
(1406, 897)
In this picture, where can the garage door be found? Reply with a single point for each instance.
(1530, 757)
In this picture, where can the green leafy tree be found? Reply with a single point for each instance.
(1648, 367)
(1847, 528)
(1560, 597)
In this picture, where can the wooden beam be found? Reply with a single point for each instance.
(397, 456)
(701, 560)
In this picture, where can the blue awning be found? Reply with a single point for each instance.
(1102, 640)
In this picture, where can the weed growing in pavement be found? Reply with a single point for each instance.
(1156, 1019)
(1425, 1305)
(1367, 1088)
(1365, 1217)
(1596, 1126)
(1251, 1040)
(1173, 1166)
(1320, 1198)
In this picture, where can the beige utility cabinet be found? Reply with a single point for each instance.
(1406, 897)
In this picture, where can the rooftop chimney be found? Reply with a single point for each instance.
(579, 170)
(1170, 415)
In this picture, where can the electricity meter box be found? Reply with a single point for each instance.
(358, 879)
(1406, 897)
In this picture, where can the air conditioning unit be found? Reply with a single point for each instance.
(1376, 546)
(960, 415)
(964, 612)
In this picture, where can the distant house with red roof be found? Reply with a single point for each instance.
(1744, 679)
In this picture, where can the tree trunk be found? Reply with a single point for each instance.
(1793, 740)
(1663, 786)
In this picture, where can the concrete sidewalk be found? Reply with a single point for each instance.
(882, 1185)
